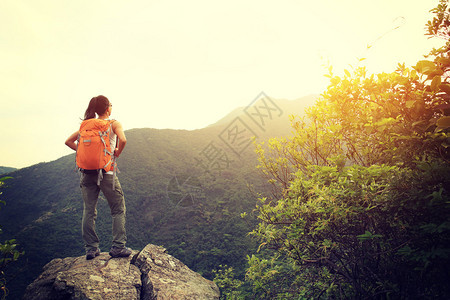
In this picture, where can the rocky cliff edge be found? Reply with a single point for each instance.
(148, 274)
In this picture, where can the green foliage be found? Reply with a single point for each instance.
(360, 203)
(8, 253)
(230, 287)
(346, 231)
(440, 24)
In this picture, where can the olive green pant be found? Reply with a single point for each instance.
(116, 201)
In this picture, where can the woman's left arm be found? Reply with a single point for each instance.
(118, 130)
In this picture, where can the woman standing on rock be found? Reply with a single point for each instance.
(96, 179)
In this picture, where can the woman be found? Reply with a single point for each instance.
(90, 187)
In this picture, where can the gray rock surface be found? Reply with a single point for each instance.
(148, 274)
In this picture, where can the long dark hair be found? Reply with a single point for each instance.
(97, 105)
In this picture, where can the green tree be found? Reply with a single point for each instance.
(361, 191)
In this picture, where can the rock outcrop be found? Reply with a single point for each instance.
(148, 274)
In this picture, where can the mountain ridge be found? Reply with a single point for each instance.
(177, 196)
(295, 105)
(6, 170)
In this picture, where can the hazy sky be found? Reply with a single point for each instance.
(181, 64)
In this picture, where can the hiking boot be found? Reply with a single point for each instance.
(90, 254)
(119, 252)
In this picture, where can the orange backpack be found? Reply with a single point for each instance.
(94, 151)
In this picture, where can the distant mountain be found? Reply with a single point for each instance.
(5, 170)
(271, 107)
(184, 190)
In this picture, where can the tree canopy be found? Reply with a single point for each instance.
(360, 203)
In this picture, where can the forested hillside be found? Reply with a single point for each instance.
(185, 190)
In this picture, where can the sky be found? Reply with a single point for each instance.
(182, 64)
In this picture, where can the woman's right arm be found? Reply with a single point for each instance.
(70, 142)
